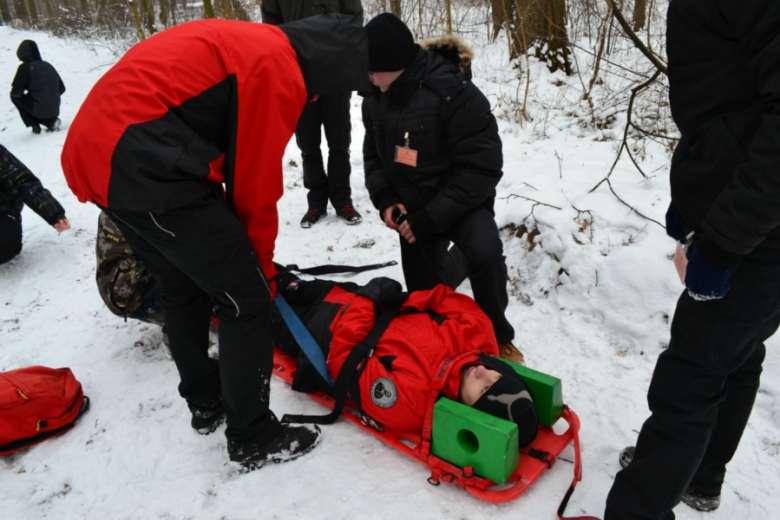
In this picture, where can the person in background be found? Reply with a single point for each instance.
(724, 93)
(330, 112)
(432, 157)
(19, 187)
(36, 89)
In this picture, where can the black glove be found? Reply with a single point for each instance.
(383, 291)
(674, 224)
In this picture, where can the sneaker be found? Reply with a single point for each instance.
(509, 352)
(350, 215)
(36, 129)
(293, 442)
(55, 126)
(207, 417)
(690, 497)
(312, 216)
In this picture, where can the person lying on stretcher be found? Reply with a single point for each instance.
(430, 327)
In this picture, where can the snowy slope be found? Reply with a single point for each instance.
(591, 303)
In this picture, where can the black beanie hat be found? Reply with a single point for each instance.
(509, 398)
(391, 45)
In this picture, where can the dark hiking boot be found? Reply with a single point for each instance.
(292, 442)
(509, 352)
(36, 129)
(207, 417)
(55, 126)
(312, 217)
(691, 498)
(626, 456)
(350, 215)
(700, 502)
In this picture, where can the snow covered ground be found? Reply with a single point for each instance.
(591, 301)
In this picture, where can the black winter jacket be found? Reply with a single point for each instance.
(449, 124)
(277, 12)
(39, 79)
(724, 80)
(18, 186)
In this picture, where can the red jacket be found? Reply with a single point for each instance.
(210, 100)
(395, 383)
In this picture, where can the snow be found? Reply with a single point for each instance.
(591, 298)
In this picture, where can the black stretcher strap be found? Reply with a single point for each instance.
(337, 269)
(350, 372)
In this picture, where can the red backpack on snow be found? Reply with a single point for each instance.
(37, 403)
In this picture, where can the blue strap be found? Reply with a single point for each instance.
(303, 337)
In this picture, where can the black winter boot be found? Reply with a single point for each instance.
(691, 498)
(292, 442)
(207, 417)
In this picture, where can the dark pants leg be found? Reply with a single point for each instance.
(701, 394)
(200, 253)
(332, 113)
(25, 106)
(10, 236)
(428, 262)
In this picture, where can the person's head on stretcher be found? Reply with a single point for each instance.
(493, 387)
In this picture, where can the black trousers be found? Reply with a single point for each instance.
(478, 253)
(200, 253)
(701, 393)
(331, 113)
(25, 106)
(10, 236)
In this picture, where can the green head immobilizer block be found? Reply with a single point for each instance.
(547, 391)
(467, 437)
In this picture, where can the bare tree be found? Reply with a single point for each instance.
(535, 23)
(640, 10)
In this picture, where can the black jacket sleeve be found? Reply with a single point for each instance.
(379, 189)
(19, 183)
(474, 148)
(749, 206)
(21, 80)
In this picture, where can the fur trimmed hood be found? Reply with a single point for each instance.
(451, 48)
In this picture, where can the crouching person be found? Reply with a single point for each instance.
(430, 327)
(18, 186)
(432, 156)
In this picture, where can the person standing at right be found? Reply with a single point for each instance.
(36, 89)
(432, 158)
(328, 112)
(724, 91)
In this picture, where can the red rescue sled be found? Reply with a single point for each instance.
(534, 460)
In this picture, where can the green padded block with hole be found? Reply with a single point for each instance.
(467, 437)
(547, 391)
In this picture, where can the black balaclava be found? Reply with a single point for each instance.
(332, 53)
(509, 398)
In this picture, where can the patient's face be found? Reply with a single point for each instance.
(475, 381)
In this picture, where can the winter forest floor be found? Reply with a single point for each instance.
(591, 298)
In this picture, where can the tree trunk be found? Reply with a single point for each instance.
(640, 12)
(5, 12)
(147, 12)
(20, 8)
(139, 31)
(208, 11)
(395, 7)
